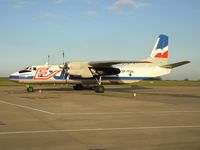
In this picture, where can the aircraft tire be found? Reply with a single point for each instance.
(78, 87)
(30, 89)
(99, 89)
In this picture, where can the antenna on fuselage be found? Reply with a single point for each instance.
(63, 57)
(48, 60)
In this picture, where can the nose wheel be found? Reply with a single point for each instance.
(30, 89)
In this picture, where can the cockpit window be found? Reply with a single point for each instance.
(34, 68)
(27, 69)
(24, 71)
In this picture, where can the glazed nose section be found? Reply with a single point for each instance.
(14, 77)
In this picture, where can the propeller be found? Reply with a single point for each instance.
(65, 67)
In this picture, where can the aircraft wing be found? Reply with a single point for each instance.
(110, 63)
(96, 71)
(106, 67)
(170, 66)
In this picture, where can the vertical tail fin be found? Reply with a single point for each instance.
(159, 54)
(160, 49)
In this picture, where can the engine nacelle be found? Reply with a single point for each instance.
(78, 68)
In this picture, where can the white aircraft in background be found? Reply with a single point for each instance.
(80, 73)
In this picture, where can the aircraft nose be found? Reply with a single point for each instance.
(14, 77)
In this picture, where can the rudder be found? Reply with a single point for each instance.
(160, 49)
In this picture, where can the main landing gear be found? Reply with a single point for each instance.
(99, 88)
(78, 87)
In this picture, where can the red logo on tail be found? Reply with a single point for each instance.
(162, 55)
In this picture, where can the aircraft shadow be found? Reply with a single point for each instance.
(126, 89)
(111, 89)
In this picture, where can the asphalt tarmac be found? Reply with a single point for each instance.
(122, 118)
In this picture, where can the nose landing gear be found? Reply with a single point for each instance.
(30, 89)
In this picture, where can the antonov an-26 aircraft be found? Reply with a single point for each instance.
(80, 73)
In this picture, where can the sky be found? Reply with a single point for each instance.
(95, 30)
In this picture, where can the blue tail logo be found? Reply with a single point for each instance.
(161, 47)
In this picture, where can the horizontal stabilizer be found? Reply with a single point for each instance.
(170, 66)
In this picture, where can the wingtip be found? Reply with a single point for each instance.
(187, 61)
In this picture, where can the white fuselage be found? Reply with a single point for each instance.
(54, 74)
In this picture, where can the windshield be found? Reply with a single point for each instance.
(27, 69)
